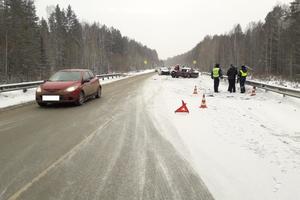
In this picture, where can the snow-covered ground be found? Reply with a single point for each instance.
(243, 147)
(19, 97)
(280, 82)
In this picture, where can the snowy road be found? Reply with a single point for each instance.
(106, 149)
(131, 145)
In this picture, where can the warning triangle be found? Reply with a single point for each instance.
(183, 108)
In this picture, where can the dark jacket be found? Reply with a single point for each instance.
(232, 73)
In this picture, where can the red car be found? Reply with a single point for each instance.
(69, 86)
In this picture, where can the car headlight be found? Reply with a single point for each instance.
(39, 89)
(71, 89)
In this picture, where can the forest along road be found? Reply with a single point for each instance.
(107, 149)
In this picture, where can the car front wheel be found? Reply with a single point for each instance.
(98, 94)
(173, 74)
(81, 99)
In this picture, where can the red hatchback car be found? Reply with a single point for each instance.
(69, 86)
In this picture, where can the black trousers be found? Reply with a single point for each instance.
(231, 87)
(216, 84)
(242, 85)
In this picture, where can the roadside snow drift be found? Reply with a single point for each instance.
(243, 147)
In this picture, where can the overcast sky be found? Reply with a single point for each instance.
(171, 27)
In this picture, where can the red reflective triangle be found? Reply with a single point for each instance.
(183, 108)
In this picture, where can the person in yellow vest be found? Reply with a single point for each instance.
(243, 73)
(216, 74)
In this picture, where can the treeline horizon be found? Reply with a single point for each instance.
(270, 48)
(33, 48)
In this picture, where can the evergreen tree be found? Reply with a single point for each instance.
(44, 49)
(33, 49)
(295, 38)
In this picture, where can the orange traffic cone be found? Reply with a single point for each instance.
(203, 103)
(183, 108)
(253, 91)
(195, 90)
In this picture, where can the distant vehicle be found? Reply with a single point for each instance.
(164, 71)
(185, 72)
(69, 86)
(194, 73)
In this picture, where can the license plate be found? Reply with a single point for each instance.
(50, 98)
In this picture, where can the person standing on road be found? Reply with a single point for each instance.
(216, 74)
(242, 78)
(232, 73)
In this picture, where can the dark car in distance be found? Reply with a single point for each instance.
(185, 72)
(69, 86)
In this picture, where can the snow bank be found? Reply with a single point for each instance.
(243, 147)
(134, 73)
(16, 97)
(280, 82)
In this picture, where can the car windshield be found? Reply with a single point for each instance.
(66, 76)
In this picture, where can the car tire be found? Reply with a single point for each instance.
(173, 74)
(98, 94)
(41, 104)
(81, 99)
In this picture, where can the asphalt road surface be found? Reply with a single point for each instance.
(107, 149)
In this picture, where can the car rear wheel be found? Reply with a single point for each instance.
(81, 99)
(98, 94)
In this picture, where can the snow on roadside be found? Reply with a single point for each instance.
(13, 98)
(243, 147)
(134, 73)
(279, 82)
(16, 97)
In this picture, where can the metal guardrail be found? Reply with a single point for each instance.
(103, 76)
(27, 85)
(273, 88)
(278, 89)
(19, 86)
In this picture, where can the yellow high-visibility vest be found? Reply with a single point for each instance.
(216, 73)
(243, 74)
